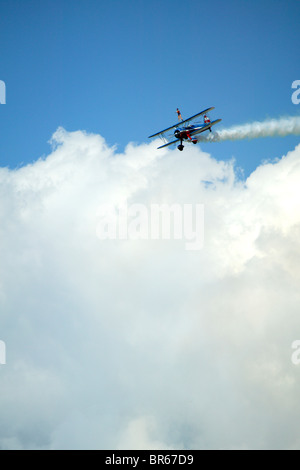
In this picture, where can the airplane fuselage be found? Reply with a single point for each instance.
(185, 133)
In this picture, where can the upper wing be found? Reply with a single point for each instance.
(181, 123)
(195, 116)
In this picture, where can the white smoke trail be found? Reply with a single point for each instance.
(269, 128)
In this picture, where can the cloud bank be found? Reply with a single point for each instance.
(141, 344)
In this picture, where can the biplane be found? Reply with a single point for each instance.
(186, 130)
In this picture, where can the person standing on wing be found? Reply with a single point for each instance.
(179, 115)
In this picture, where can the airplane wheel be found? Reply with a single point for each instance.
(195, 141)
(180, 147)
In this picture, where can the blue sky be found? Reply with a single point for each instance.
(121, 68)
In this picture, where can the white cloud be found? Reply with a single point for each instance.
(128, 344)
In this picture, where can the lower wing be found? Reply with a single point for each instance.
(169, 143)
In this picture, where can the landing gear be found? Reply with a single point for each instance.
(194, 141)
(180, 147)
